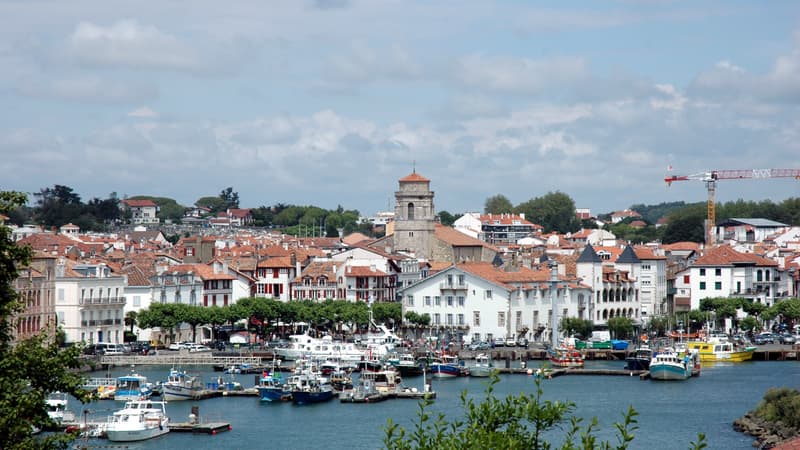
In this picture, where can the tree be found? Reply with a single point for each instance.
(686, 225)
(57, 206)
(31, 368)
(554, 211)
(229, 198)
(620, 327)
(447, 219)
(497, 204)
(576, 326)
(215, 204)
(515, 422)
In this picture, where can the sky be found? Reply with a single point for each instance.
(331, 102)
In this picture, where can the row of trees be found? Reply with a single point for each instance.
(262, 314)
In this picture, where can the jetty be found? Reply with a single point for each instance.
(179, 360)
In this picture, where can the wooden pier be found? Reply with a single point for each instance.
(179, 360)
(202, 428)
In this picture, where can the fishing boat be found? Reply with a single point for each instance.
(309, 388)
(721, 351)
(273, 388)
(181, 386)
(565, 357)
(138, 420)
(640, 360)
(408, 365)
(448, 366)
(386, 381)
(483, 367)
(670, 365)
(132, 387)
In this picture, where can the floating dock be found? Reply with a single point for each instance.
(202, 428)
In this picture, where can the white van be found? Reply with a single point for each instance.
(108, 348)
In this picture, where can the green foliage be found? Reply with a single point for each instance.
(230, 198)
(168, 209)
(554, 211)
(30, 368)
(447, 219)
(652, 213)
(781, 405)
(620, 327)
(749, 324)
(417, 319)
(497, 204)
(215, 204)
(387, 312)
(686, 225)
(576, 326)
(514, 422)
(789, 309)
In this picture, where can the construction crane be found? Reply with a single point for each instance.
(710, 179)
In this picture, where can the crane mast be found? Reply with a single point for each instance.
(710, 179)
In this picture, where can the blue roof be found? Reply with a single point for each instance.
(589, 256)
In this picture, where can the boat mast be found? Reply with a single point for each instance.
(553, 303)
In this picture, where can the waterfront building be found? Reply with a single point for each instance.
(497, 229)
(35, 285)
(90, 302)
(652, 281)
(611, 273)
(477, 301)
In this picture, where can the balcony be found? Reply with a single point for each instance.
(456, 285)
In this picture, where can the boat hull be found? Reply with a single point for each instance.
(176, 393)
(123, 435)
(445, 371)
(669, 372)
(710, 352)
(481, 371)
(274, 394)
(304, 398)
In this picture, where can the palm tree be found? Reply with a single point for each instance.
(130, 319)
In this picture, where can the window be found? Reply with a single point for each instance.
(137, 300)
(476, 318)
(427, 300)
(702, 285)
(536, 318)
(501, 319)
(718, 285)
(410, 210)
(645, 266)
(702, 272)
(449, 300)
(461, 300)
(518, 322)
(437, 300)
(437, 319)
(686, 279)
(461, 280)
(410, 300)
(461, 319)
(718, 272)
(449, 319)
(61, 294)
(488, 294)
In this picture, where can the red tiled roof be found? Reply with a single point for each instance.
(506, 219)
(203, 271)
(643, 252)
(414, 176)
(725, 255)
(276, 262)
(457, 238)
(139, 203)
(682, 246)
(364, 271)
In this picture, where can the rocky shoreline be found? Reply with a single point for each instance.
(767, 434)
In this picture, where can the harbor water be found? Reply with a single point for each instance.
(671, 414)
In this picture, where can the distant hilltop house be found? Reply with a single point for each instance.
(619, 216)
(232, 218)
(142, 211)
(748, 230)
(503, 228)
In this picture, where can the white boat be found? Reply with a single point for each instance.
(57, 408)
(670, 365)
(137, 421)
(483, 366)
(304, 346)
(181, 386)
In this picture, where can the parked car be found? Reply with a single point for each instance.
(786, 338)
(764, 338)
(522, 342)
(499, 342)
(482, 345)
(199, 348)
(511, 342)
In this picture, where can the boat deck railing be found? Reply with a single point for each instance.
(97, 382)
(179, 360)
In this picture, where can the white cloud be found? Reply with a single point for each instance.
(671, 99)
(143, 113)
(126, 43)
(519, 75)
(88, 89)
